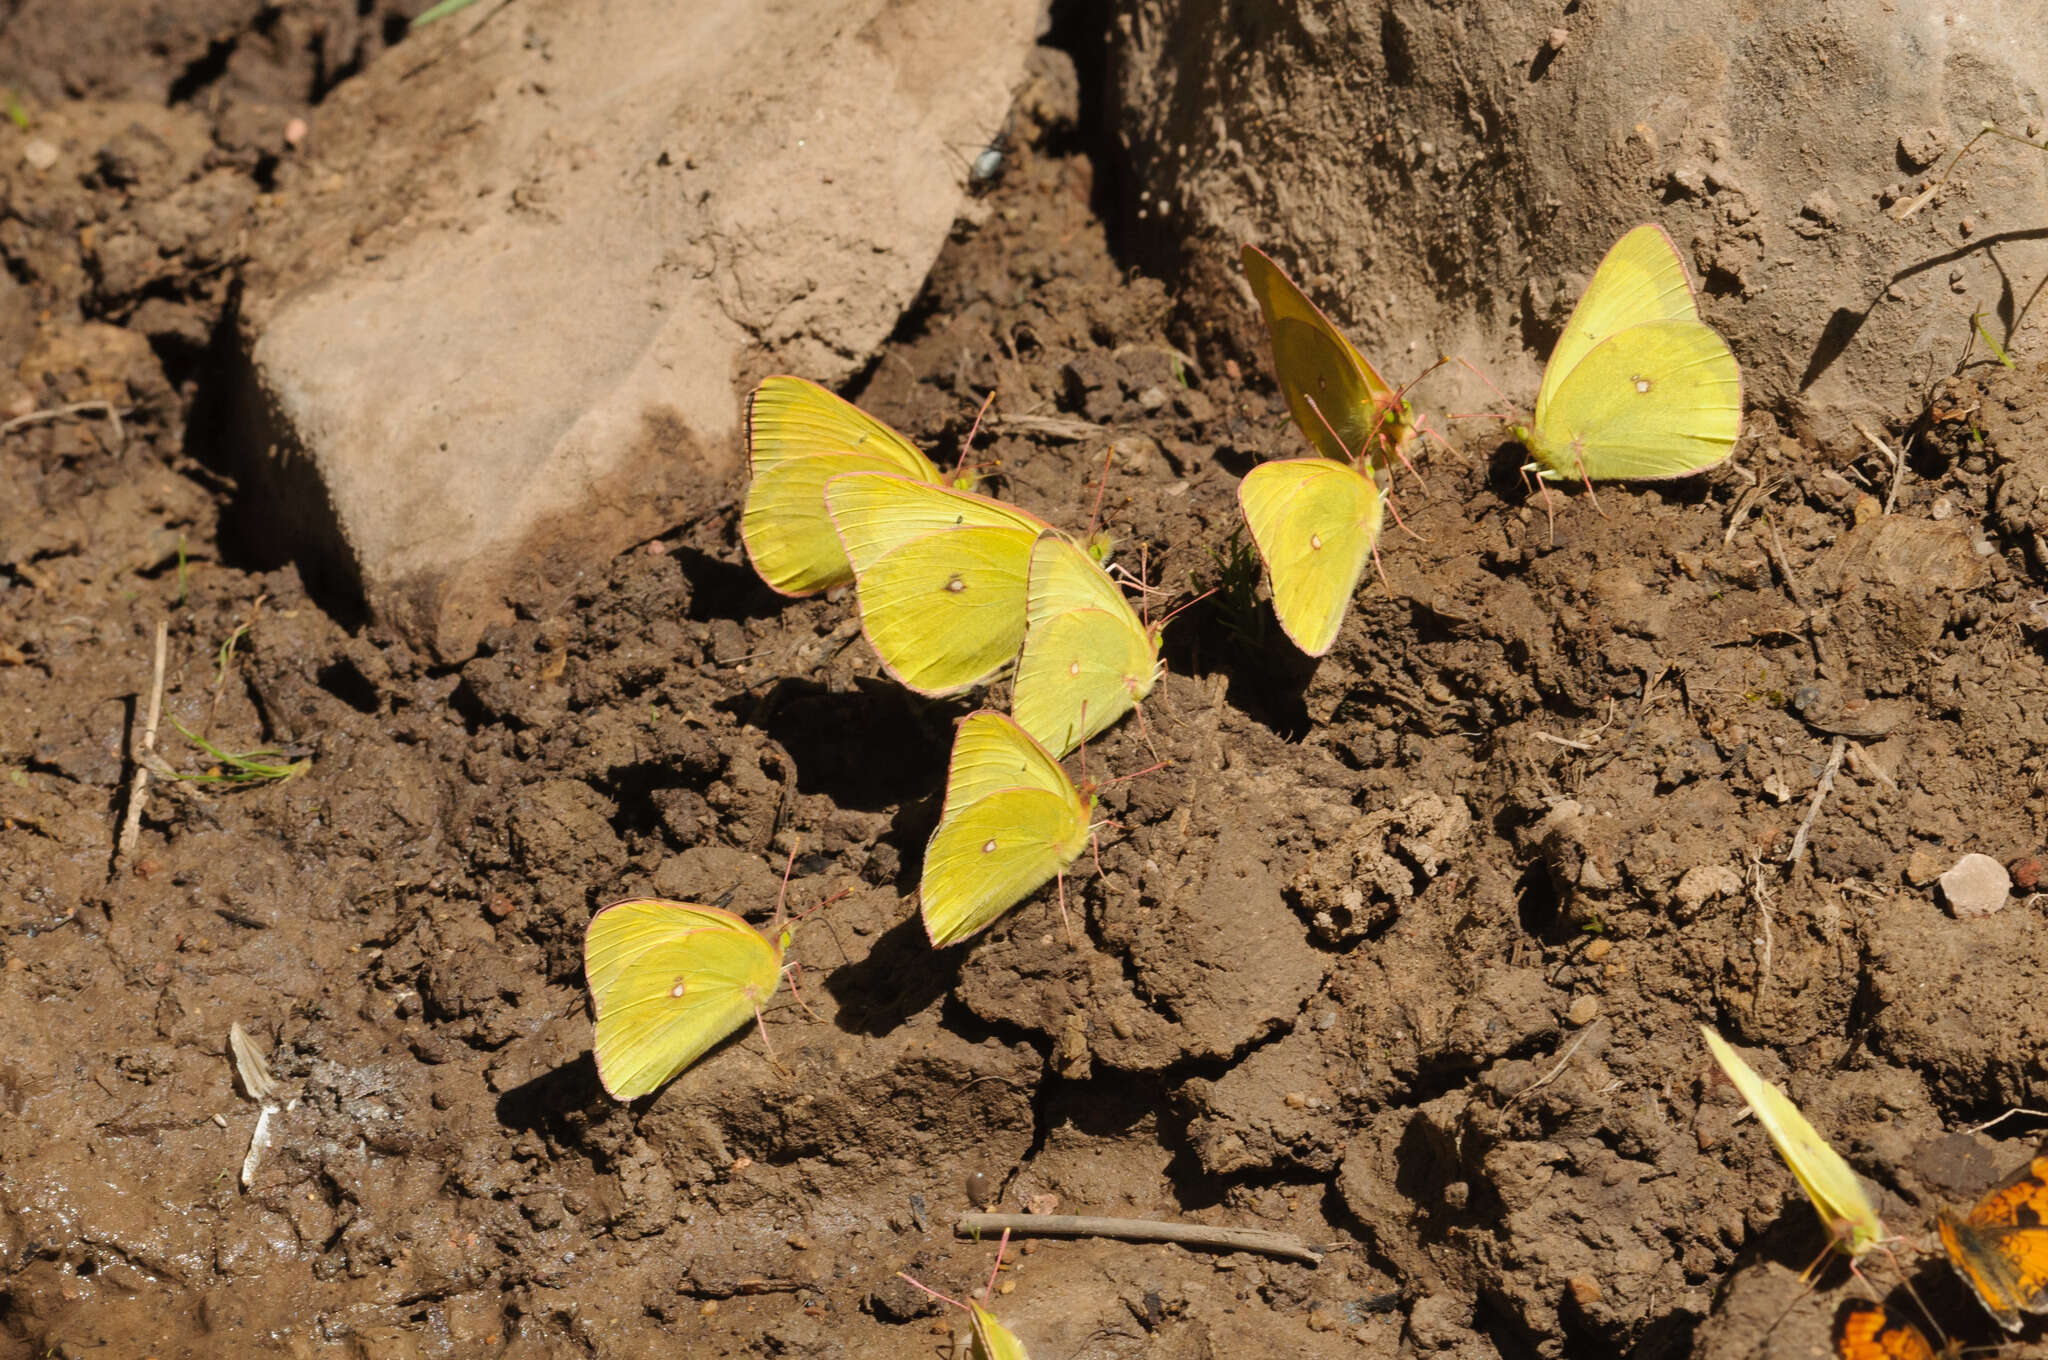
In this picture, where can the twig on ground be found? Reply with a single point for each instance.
(1562, 1059)
(77, 408)
(1820, 793)
(1141, 1230)
(139, 754)
(1763, 911)
(1895, 458)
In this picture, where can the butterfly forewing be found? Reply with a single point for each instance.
(1640, 279)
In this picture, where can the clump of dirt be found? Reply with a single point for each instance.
(1404, 952)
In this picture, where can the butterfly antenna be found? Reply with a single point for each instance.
(782, 897)
(1478, 373)
(967, 445)
(1101, 488)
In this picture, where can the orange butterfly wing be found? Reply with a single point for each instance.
(2001, 1249)
(1870, 1331)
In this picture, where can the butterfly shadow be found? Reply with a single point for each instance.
(723, 590)
(1845, 322)
(868, 749)
(547, 1103)
(899, 977)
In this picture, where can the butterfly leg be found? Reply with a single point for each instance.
(1060, 882)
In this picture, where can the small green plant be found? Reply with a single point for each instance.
(241, 767)
(1997, 350)
(16, 111)
(1237, 589)
(184, 583)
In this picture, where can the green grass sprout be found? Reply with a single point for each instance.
(441, 11)
(241, 767)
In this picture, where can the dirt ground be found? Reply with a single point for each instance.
(1404, 953)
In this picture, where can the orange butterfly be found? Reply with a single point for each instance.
(1870, 1331)
(2001, 1249)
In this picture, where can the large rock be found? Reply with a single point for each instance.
(1447, 175)
(503, 314)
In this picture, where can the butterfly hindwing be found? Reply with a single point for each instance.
(1087, 658)
(1662, 399)
(668, 980)
(1315, 521)
(1011, 820)
(941, 577)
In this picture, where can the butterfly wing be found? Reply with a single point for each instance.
(1011, 820)
(992, 1340)
(1087, 658)
(1315, 522)
(799, 436)
(1870, 1331)
(1640, 279)
(2001, 1249)
(1837, 1195)
(941, 574)
(1661, 399)
(1339, 400)
(668, 980)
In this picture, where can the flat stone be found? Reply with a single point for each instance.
(1976, 885)
(505, 304)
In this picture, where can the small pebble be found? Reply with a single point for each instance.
(39, 154)
(1583, 1011)
(295, 132)
(1976, 885)
(798, 1242)
(980, 1189)
(2026, 872)
(1556, 39)
(1922, 868)
(1585, 1290)
(1942, 508)
(707, 1308)
(1598, 950)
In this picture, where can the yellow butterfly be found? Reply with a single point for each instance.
(1011, 820)
(941, 576)
(1837, 1195)
(1340, 402)
(799, 436)
(1087, 659)
(1638, 385)
(668, 980)
(1315, 521)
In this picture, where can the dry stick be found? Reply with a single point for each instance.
(1763, 909)
(1141, 1230)
(139, 787)
(1897, 461)
(1820, 793)
(79, 408)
